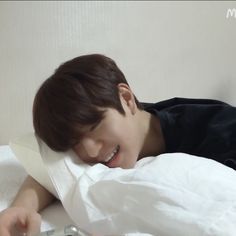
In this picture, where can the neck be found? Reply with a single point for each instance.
(153, 142)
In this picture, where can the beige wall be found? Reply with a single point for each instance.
(166, 49)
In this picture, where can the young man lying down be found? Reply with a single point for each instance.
(88, 106)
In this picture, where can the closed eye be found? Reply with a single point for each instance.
(93, 127)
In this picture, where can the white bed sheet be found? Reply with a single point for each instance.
(12, 175)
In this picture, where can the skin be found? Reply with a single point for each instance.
(137, 135)
(22, 216)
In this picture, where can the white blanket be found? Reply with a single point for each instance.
(172, 194)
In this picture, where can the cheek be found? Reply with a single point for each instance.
(78, 149)
(130, 143)
(128, 134)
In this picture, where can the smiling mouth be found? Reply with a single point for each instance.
(112, 156)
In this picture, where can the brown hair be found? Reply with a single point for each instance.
(75, 97)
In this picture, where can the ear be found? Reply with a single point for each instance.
(127, 98)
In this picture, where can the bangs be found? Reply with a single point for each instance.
(82, 124)
(62, 122)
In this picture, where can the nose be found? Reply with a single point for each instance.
(91, 146)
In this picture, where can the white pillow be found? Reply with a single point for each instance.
(26, 150)
(12, 176)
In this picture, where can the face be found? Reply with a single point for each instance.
(113, 142)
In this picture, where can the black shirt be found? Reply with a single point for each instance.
(200, 127)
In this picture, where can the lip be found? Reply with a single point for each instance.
(114, 161)
(111, 154)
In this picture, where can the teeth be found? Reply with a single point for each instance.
(112, 155)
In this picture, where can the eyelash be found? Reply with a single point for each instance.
(94, 127)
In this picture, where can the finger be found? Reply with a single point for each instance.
(9, 222)
(33, 224)
(5, 232)
(16, 230)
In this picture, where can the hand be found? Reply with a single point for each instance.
(18, 220)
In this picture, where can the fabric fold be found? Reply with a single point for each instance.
(176, 192)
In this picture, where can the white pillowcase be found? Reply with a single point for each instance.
(172, 194)
(26, 149)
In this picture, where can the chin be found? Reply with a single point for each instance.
(130, 165)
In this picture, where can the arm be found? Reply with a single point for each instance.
(22, 215)
(32, 196)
